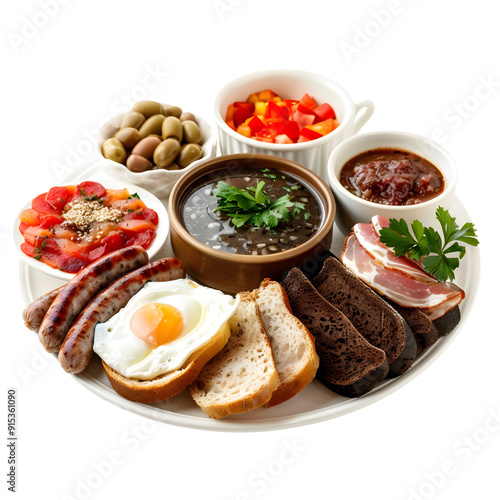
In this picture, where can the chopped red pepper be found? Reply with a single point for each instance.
(255, 124)
(324, 127)
(243, 110)
(324, 111)
(274, 110)
(230, 113)
(306, 134)
(308, 102)
(289, 128)
(264, 116)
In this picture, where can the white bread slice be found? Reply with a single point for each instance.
(242, 376)
(168, 385)
(293, 345)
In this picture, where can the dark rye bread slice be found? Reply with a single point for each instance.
(348, 364)
(371, 315)
(445, 324)
(425, 331)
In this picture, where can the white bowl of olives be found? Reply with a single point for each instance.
(153, 144)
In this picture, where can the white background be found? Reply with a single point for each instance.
(66, 66)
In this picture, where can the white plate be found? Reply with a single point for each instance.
(96, 172)
(314, 404)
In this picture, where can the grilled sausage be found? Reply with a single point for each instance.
(76, 351)
(82, 288)
(34, 313)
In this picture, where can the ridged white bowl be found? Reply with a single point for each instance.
(291, 84)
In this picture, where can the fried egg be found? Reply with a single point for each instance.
(161, 326)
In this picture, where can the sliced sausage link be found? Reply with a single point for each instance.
(34, 313)
(76, 351)
(82, 288)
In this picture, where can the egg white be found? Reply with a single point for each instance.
(203, 309)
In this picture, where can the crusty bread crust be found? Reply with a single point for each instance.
(168, 385)
(242, 376)
(289, 339)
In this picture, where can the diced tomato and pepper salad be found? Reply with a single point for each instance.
(69, 227)
(266, 117)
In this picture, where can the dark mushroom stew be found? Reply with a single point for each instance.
(253, 212)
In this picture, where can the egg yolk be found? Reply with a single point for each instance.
(157, 324)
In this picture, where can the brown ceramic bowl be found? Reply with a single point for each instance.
(232, 272)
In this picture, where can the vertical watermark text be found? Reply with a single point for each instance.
(12, 440)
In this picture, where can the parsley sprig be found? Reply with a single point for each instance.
(426, 243)
(252, 206)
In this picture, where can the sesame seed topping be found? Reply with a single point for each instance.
(81, 213)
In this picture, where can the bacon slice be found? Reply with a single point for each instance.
(378, 222)
(370, 241)
(432, 297)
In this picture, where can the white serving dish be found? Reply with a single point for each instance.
(291, 84)
(97, 172)
(158, 182)
(351, 209)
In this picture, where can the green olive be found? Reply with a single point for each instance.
(137, 163)
(148, 108)
(128, 136)
(146, 147)
(169, 110)
(172, 127)
(113, 149)
(152, 125)
(166, 152)
(187, 116)
(189, 153)
(132, 119)
(192, 132)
